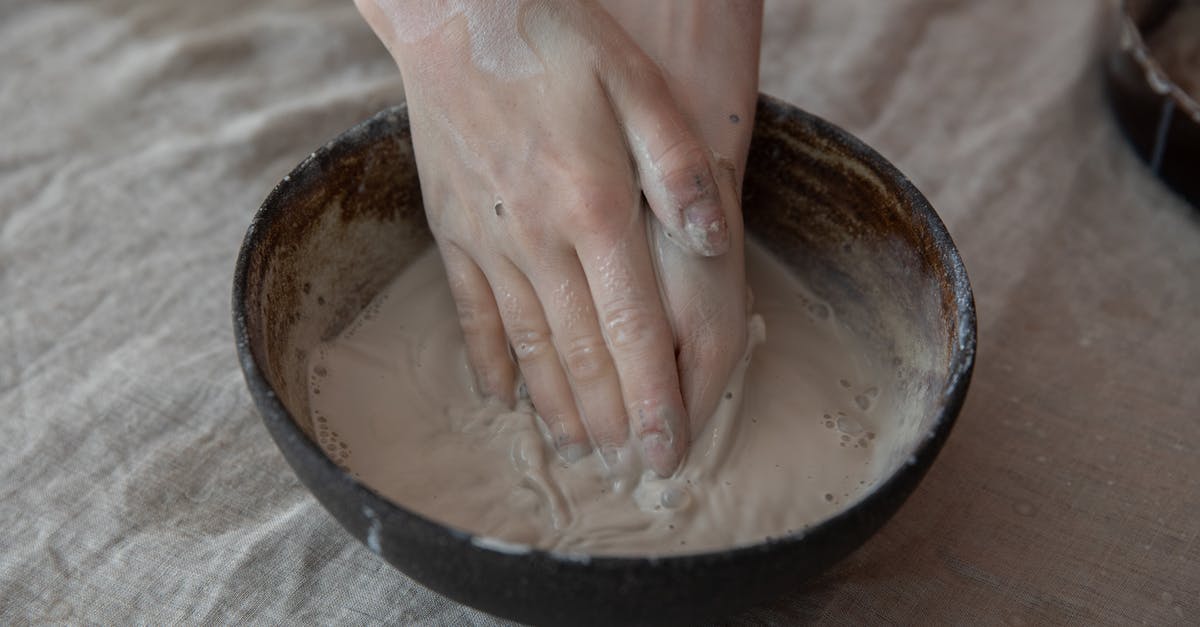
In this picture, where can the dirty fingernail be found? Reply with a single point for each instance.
(704, 222)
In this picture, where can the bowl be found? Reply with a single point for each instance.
(348, 219)
(1158, 116)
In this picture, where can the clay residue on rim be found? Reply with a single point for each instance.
(356, 204)
(852, 227)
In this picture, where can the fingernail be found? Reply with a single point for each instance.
(704, 222)
(611, 456)
(661, 430)
(659, 452)
(568, 448)
(572, 453)
(662, 420)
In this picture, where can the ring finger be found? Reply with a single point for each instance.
(533, 346)
(563, 292)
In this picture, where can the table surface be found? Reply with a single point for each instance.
(139, 485)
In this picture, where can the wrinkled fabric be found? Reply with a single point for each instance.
(137, 484)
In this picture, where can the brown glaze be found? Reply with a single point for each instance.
(353, 218)
(851, 226)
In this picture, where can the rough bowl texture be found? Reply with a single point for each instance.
(349, 218)
(1158, 117)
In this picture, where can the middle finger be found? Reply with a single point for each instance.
(625, 290)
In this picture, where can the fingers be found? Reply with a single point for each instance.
(707, 357)
(673, 162)
(638, 335)
(585, 356)
(531, 340)
(708, 302)
(483, 330)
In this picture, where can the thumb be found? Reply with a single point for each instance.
(677, 170)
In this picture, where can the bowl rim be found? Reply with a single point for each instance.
(1133, 42)
(376, 507)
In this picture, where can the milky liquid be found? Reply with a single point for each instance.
(797, 438)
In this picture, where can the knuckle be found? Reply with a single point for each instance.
(586, 359)
(629, 325)
(473, 318)
(686, 175)
(529, 231)
(529, 344)
(600, 208)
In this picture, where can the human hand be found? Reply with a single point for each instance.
(533, 123)
(709, 54)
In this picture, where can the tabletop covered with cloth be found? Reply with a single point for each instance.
(137, 484)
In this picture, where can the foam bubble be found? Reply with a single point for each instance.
(675, 497)
(846, 424)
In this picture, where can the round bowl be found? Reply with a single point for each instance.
(1158, 116)
(348, 219)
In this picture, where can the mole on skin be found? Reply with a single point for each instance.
(392, 402)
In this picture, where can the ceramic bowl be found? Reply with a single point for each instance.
(1157, 114)
(348, 219)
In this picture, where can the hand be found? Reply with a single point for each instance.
(533, 123)
(709, 54)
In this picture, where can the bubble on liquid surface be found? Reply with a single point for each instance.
(848, 425)
(675, 497)
(863, 402)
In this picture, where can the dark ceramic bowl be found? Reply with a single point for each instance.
(1159, 117)
(349, 218)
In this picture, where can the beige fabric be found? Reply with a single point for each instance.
(138, 485)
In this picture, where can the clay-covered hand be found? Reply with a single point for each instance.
(537, 126)
(709, 54)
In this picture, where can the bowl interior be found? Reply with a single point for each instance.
(851, 226)
(348, 219)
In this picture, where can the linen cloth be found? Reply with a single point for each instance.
(137, 484)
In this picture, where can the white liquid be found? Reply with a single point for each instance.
(392, 402)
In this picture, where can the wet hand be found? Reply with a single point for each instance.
(537, 127)
(709, 54)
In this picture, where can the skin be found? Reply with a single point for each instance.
(701, 44)
(539, 127)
